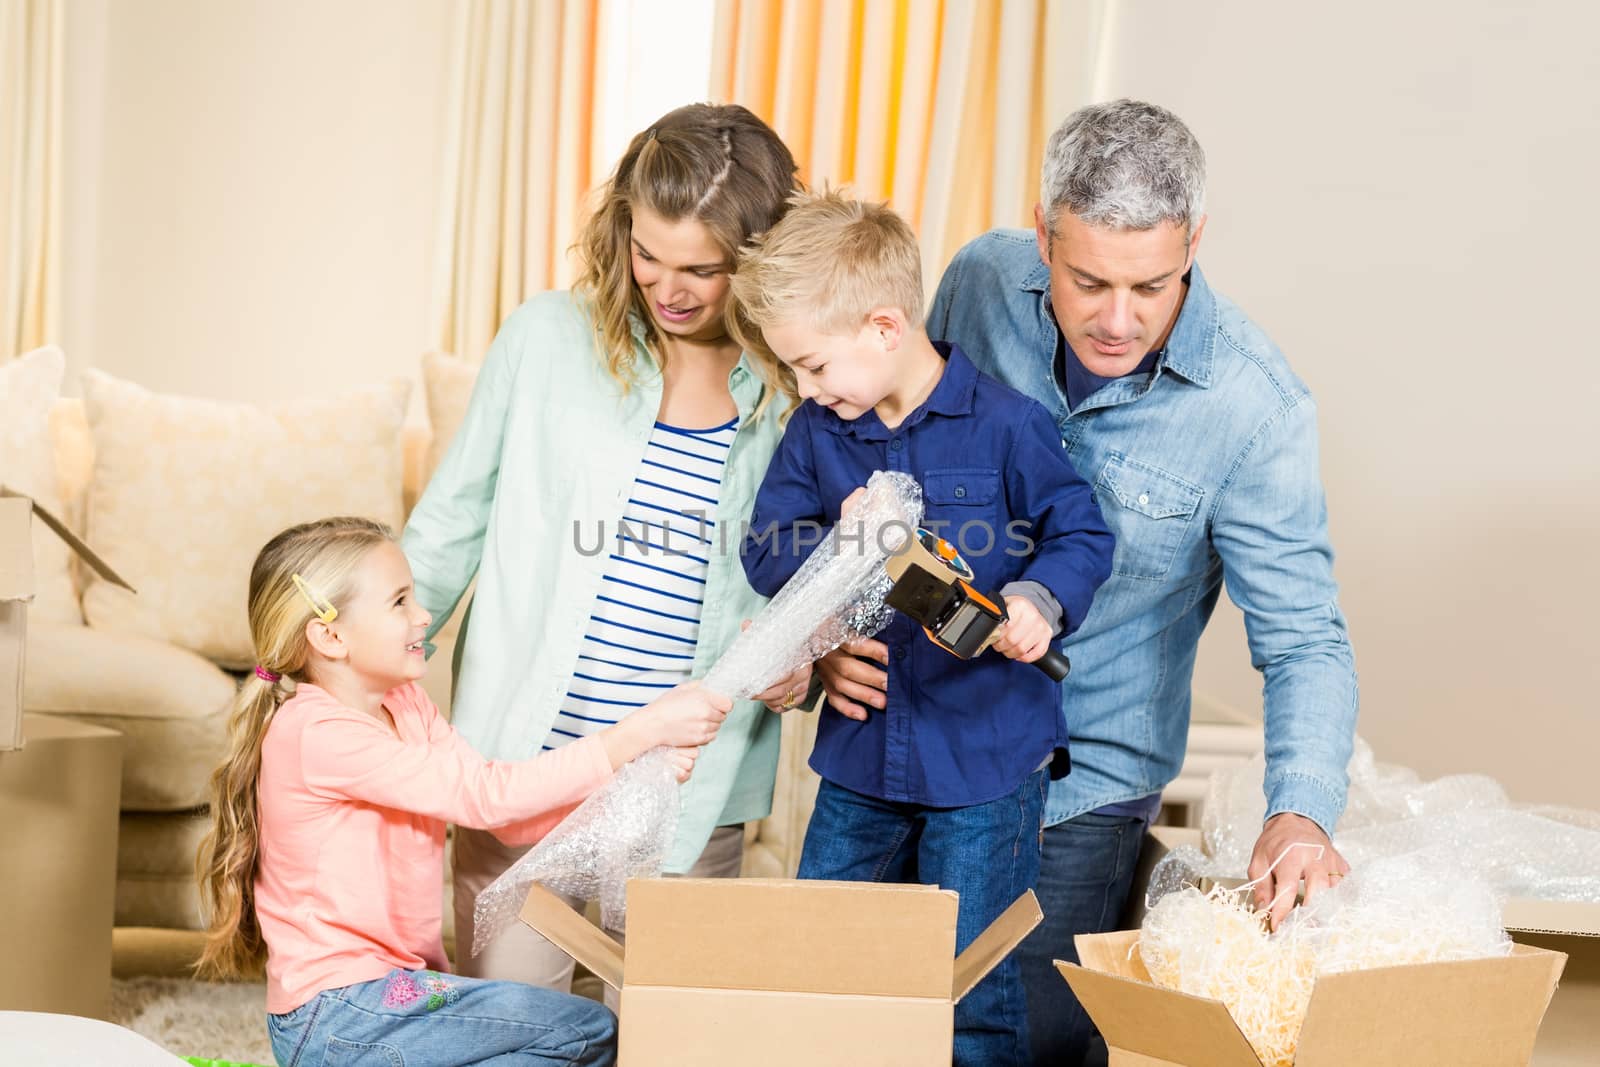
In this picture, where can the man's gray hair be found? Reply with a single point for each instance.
(1127, 165)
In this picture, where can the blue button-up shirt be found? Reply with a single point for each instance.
(954, 732)
(1207, 473)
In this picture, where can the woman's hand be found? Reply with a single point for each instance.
(787, 692)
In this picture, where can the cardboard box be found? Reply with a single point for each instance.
(777, 973)
(61, 797)
(17, 515)
(1470, 1013)
(1569, 1036)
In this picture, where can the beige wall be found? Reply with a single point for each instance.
(1404, 196)
(251, 190)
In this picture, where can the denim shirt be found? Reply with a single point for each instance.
(953, 732)
(1206, 471)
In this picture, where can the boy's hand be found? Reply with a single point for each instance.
(852, 500)
(1025, 636)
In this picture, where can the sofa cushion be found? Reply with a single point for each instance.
(170, 705)
(155, 870)
(29, 387)
(185, 492)
(447, 380)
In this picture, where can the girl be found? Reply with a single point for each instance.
(329, 822)
(598, 489)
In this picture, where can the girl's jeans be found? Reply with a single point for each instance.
(427, 1019)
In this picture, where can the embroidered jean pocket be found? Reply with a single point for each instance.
(1149, 510)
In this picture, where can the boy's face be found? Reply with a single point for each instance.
(846, 373)
(382, 626)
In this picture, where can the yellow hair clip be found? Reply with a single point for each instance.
(324, 609)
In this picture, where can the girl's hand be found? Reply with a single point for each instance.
(1025, 636)
(686, 716)
(682, 761)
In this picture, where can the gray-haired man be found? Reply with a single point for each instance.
(1202, 447)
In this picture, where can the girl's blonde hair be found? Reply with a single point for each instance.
(324, 555)
(715, 163)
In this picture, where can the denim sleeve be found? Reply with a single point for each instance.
(788, 520)
(938, 324)
(1072, 547)
(1270, 528)
(443, 538)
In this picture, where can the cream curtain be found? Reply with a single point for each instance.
(31, 33)
(519, 160)
(941, 107)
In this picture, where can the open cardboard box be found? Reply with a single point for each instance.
(751, 971)
(17, 515)
(1471, 1012)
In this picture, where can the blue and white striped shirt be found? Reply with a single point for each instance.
(642, 630)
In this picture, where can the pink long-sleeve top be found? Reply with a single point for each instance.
(352, 820)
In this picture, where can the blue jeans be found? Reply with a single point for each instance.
(987, 853)
(427, 1019)
(1085, 874)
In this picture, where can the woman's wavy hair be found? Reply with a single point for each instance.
(715, 163)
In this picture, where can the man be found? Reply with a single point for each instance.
(1202, 447)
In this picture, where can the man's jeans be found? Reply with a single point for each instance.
(987, 853)
(1085, 874)
(427, 1019)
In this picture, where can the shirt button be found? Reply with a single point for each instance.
(896, 444)
(1144, 498)
(961, 491)
(899, 653)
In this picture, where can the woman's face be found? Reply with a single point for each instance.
(682, 273)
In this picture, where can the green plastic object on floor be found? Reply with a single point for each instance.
(201, 1061)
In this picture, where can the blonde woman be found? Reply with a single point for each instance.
(329, 813)
(598, 489)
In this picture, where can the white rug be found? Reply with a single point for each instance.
(219, 1021)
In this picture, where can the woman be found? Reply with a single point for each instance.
(598, 490)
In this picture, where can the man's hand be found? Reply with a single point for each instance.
(1307, 854)
(853, 686)
(1025, 636)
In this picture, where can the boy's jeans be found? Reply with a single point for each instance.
(987, 853)
(427, 1019)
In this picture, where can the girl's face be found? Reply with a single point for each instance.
(382, 626)
(682, 274)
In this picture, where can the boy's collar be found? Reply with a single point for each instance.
(952, 395)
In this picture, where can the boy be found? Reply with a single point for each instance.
(944, 781)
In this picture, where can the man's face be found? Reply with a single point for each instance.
(1115, 293)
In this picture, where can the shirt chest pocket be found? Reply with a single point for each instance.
(1149, 510)
(960, 505)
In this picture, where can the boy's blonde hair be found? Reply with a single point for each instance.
(830, 261)
(324, 554)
